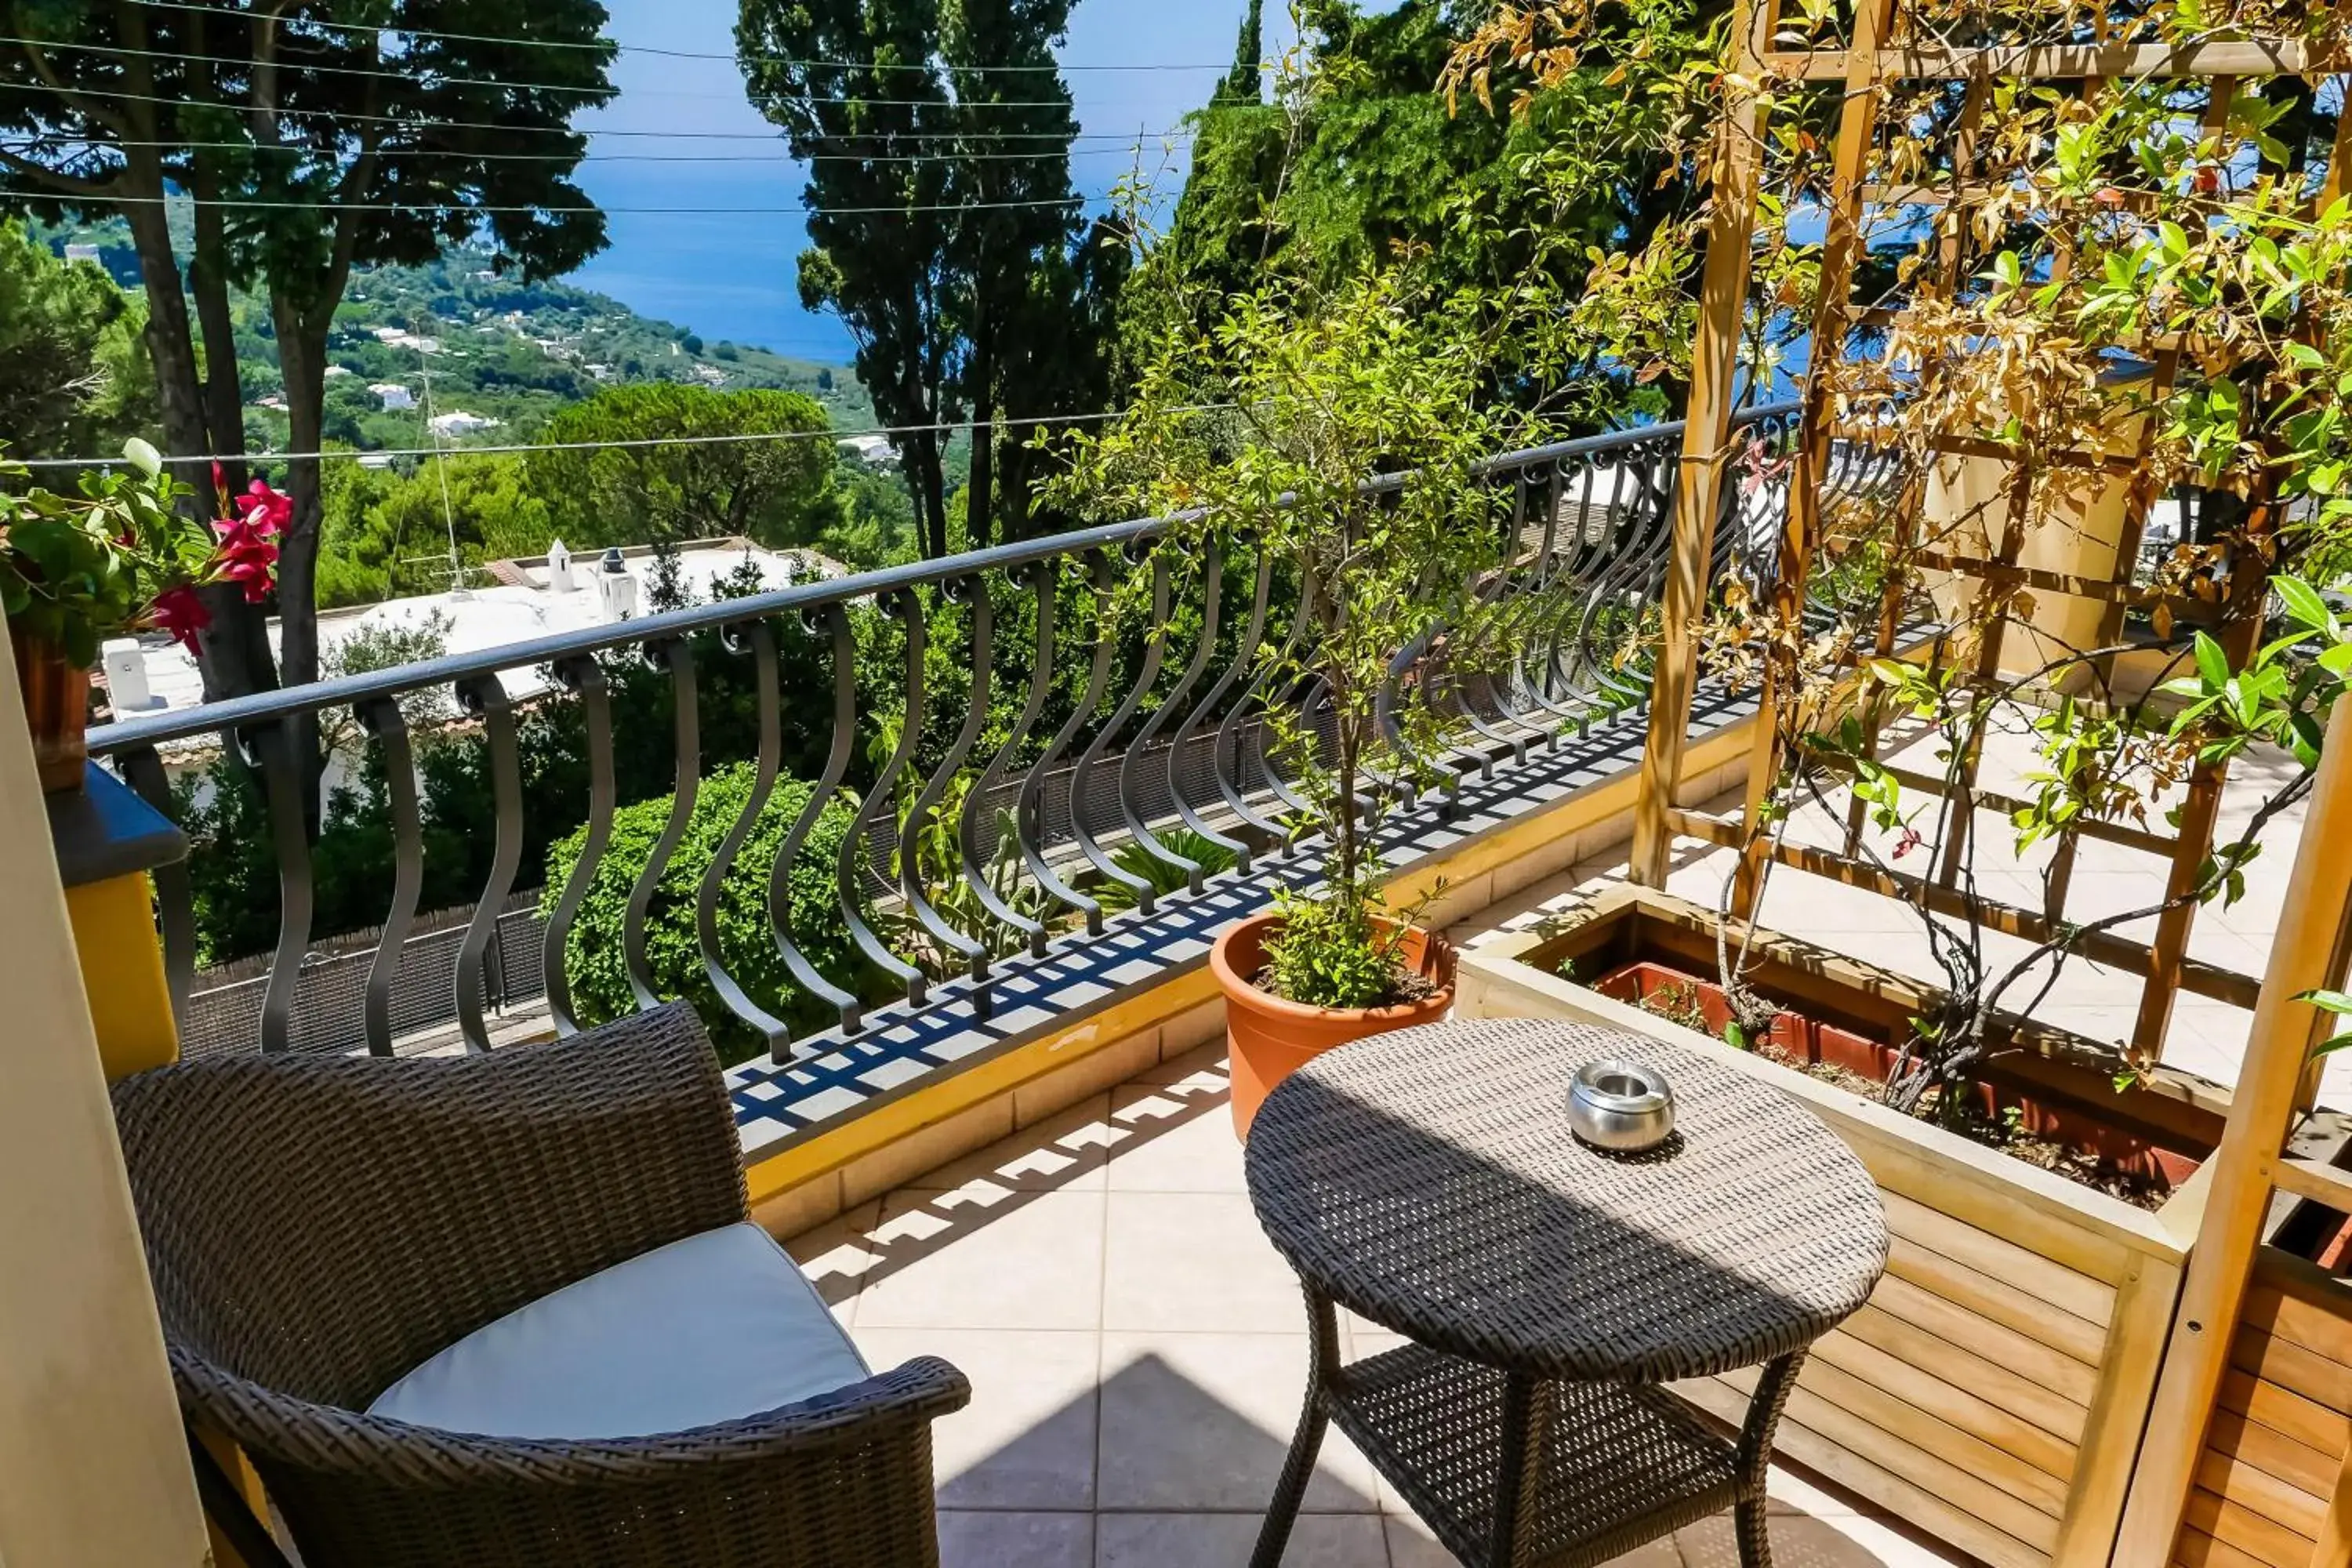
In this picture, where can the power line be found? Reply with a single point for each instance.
(627, 157)
(601, 44)
(735, 438)
(435, 79)
(1073, 200)
(513, 130)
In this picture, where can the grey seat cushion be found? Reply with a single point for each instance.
(714, 1328)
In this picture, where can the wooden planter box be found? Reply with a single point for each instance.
(1994, 1391)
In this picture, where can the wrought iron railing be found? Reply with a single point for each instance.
(1136, 761)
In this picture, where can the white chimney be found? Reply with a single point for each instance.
(126, 675)
(615, 587)
(559, 569)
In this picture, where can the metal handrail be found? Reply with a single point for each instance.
(235, 712)
(1121, 800)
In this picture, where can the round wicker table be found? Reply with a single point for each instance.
(1427, 1180)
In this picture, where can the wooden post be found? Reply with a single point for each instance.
(1706, 432)
(1865, 84)
(2245, 1165)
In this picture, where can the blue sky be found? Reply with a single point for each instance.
(730, 273)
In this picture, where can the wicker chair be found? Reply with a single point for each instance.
(318, 1227)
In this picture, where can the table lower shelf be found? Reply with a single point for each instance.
(1619, 1464)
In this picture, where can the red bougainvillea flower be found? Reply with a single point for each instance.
(246, 556)
(247, 552)
(179, 612)
(265, 508)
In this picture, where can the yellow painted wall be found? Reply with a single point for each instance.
(122, 974)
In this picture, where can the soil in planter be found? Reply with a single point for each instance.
(1411, 985)
(1696, 1005)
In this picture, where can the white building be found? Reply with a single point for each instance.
(395, 395)
(457, 422)
(874, 451)
(81, 253)
(335, 370)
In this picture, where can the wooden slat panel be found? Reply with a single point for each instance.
(2001, 1301)
(2199, 1550)
(2263, 1539)
(2256, 1538)
(2327, 1185)
(1962, 1487)
(2290, 1414)
(2258, 1493)
(2300, 1321)
(1957, 1407)
(2032, 1273)
(1996, 1385)
(2293, 1368)
(2061, 1374)
(2274, 1453)
(1994, 1207)
(1868, 1403)
(1856, 1474)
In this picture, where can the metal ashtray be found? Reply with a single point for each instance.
(1621, 1106)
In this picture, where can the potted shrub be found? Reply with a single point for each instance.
(120, 556)
(1260, 430)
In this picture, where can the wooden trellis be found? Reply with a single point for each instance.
(1876, 58)
(2175, 1476)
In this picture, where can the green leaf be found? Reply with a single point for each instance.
(2302, 602)
(143, 457)
(2212, 664)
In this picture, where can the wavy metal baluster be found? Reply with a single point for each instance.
(383, 719)
(1509, 595)
(1238, 848)
(1303, 692)
(271, 750)
(485, 697)
(175, 901)
(1529, 681)
(1027, 813)
(1284, 837)
(1146, 899)
(832, 621)
(972, 593)
(1212, 579)
(759, 640)
(901, 604)
(679, 654)
(1039, 575)
(584, 677)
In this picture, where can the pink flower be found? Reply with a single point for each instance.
(246, 557)
(1907, 842)
(247, 552)
(267, 510)
(179, 612)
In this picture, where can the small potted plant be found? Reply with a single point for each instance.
(121, 556)
(1260, 431)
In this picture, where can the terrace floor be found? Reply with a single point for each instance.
(1138, 1350)
(1138, 1353)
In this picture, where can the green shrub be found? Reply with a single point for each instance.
(594, 959)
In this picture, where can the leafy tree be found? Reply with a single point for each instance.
(1364, 157)
(855, 86)
(74, 377)
(350, 134)
(775, 491)
(386, 534)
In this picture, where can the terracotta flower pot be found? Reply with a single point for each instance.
(1271, 1037)
(56, 709)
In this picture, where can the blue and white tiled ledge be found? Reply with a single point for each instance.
(903, 1048)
